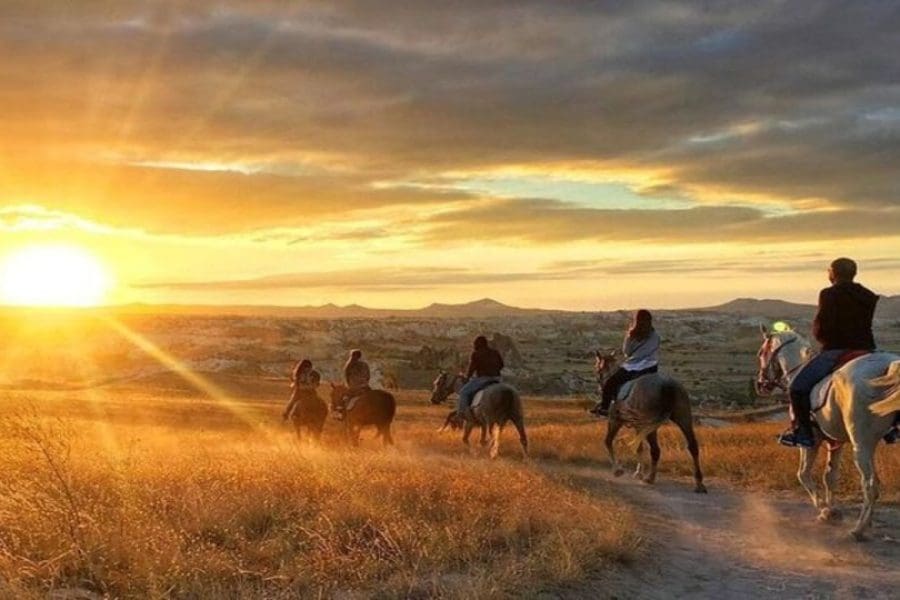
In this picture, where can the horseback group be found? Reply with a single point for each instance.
(855, 388)
(847, 392)
(354, 402)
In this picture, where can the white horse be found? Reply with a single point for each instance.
(860, 402)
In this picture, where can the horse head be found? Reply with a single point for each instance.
(441, 387)
(338, 396)
(781, 354)
(605, 363)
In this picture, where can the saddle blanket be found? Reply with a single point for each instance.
(625, 390)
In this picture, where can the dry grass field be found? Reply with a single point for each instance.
(154, 490)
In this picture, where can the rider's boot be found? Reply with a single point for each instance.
(800, 434)
(599, 410)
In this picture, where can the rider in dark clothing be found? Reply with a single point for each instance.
(485, 365)
(843, 323)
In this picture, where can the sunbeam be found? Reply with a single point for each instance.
(236, 408)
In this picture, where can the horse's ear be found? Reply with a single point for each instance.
(764, 330)
(598, 354)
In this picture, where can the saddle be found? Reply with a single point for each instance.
(479, 395)
(822, 390)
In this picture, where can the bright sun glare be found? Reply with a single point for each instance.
(53, 276)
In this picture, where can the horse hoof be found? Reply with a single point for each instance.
(700, 489)
(649, 480)
(619, 472)
(858, 536)
(638, 475)
(830, 515)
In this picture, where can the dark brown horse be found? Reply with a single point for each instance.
(309, 412)
(374, 408)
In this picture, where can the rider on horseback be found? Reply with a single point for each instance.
(843, 323)
(303, 379)
(641, 350)
(357, 377)
(485, 365)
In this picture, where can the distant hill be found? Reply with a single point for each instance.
(773, 309)
(888, 308)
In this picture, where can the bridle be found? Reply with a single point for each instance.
(445, 388)
(770, 379)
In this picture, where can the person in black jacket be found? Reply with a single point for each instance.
(485, 365)
(843, 323)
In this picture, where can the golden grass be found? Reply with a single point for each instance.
(129, 492)
(132, 495)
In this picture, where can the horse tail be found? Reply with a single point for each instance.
(888, 386)
(670, 392)
(511, 402)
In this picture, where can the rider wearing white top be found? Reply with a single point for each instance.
(641, 349)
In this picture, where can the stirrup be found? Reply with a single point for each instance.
(795, 438)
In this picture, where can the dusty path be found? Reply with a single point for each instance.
(735, 544)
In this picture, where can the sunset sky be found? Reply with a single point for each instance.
(583, 155)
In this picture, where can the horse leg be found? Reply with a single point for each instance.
(495, 440)
(519, 424)
(639, 469)
(467, 431)
(612, 429)
(864, 458)
(386, 435)
(653, 441)
(829, 512)
(687, 428)
(297, 430)
(804, 473)
(484, 435)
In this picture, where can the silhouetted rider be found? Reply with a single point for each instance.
(485, 365)
(843, 323)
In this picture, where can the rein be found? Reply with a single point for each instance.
(780, 382)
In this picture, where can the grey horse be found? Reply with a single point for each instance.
(862, 399)
(500, 403)
(649, 402)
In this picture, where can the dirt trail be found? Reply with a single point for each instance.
(736, 544)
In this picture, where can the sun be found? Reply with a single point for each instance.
(53, 276)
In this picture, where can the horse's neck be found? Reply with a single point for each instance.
(793, 354)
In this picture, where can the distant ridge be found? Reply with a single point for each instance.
(888, 308)
(478, 309)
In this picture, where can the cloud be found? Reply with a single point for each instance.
(551, 221)
(747, 101)
(417, 277)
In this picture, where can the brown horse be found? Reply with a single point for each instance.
(309, 412)
(375, 408)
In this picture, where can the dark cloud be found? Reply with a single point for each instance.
(790, 101)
